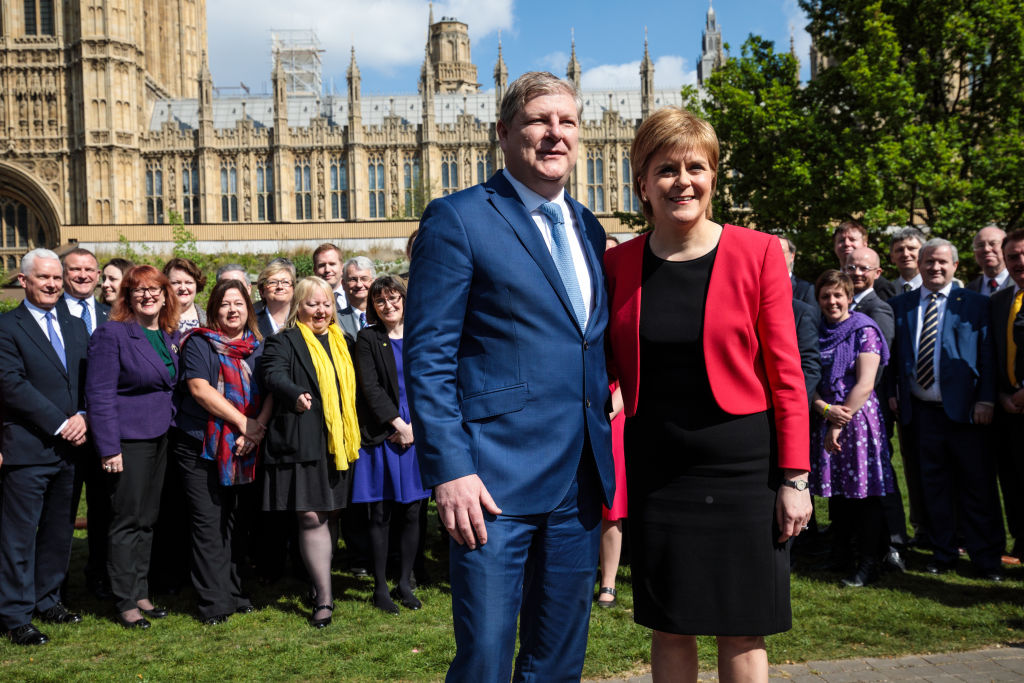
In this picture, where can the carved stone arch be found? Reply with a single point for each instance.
(29, 217)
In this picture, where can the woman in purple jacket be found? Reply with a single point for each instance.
(133, 365)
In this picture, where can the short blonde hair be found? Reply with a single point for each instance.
(303, 289)
(672, 128)
(273, 268)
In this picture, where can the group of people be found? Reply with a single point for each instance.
(495, 380)
(225, 418)
(928, 361)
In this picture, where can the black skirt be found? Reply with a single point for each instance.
(306, 486)
(702, 527)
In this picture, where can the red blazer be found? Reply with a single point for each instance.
(750, 347)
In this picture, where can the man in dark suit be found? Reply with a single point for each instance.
(904, 247)
(864, 268)
(988, 254)
(42, 364)
(850, 235)
(509, 400)
(802, 289)
(943, 386)
(1008, 441)
(81, 275)
(358, 274)
(327, 264)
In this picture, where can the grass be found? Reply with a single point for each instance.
(902, 614)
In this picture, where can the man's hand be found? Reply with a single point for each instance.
(1008, 405)
(894, 405)
(74, 431)
(460, 503)
(983, 413)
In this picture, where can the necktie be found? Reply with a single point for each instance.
(55, 340)
(338, 301)
(362, 320)
(563, 260)
(907, 286)
(926, 346)
(86, 318)
(1011, 346)
(993, 285)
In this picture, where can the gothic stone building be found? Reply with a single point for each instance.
(109, 121)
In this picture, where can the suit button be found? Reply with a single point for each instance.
(588, 402)
(586, 346)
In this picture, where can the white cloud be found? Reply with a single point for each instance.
(797, 21)
(669, 73)
(555, 62)
(387, 34)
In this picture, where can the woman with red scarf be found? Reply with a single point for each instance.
(221, 420)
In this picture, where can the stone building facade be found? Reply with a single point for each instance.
(109, 121)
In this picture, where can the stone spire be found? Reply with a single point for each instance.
(573, 73)
(427, 82)
(205, 91)
(354, 80)
(646, 82)
(500, 78)
(712, 57)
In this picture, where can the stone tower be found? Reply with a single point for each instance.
(712, 56)
(449, 49)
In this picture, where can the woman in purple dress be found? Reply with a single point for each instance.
(387, 474)
(849, 446)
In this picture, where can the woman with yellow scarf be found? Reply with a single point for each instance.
(313, 436)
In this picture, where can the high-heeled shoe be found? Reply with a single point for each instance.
(324, 622)
(408, 601)
(384, 603)
(140, 623)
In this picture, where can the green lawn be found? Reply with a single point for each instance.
(912, 613)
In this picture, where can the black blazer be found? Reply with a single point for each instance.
(102, 310)
(879, 311)
(1002, 300)
(36, 393)
(804, 291)
(885, 289)
(263, 320)
(377, 375)
(288, 372)
(807, 339)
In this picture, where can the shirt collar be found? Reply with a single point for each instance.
(914, 282)
(1001, 277)
(857, 298)
(531, 199)
(944, 291)
(37, 313)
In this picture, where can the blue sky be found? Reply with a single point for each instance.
(389, 36)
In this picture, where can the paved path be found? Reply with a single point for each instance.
(992, 664)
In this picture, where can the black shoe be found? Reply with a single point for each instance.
(27, 635)
(59, 614)
(409, 601)
(139, 623)
(155, 613)
(215, 619)
(324, 622)
(866, 573)
(893, 560)
(384, 604)
(938, 568)
(360, 572)
(605, 590)
(245, 609)
(994, 575)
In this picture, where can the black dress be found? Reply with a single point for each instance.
(702, 482)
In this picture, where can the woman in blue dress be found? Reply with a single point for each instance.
(849, 445)
(387, 474)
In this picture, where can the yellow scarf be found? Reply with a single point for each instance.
(339, 412)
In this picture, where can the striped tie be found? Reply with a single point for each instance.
(926, 345)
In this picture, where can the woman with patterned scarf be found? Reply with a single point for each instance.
(221, 420)
(849, 446)
(313, 435)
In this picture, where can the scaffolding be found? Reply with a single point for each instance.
(298, 51)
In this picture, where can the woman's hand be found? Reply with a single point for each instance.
(839, 415)
(252, 429)
(793, 509)
(304, 402)
(832, 439)
(403, 433)
(113, 463)
(243, 446)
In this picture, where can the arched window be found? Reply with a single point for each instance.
(376, 186)
(228, 191)
(303, 191)
(39, 17)
(411, 185)
(264, 191)
(190, 192)
(154, 193)
(339, 188)
(449, 173)
(595, 181)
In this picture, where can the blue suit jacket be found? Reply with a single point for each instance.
(501, 380)
(967, 354)
(36, 392)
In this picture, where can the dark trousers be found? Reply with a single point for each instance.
(534, 569)
(218, 539)
(958, 479)
(912, 472)
(135, 505)
(169, 563)
(35, 538)
(1008, 445)
(89, 472)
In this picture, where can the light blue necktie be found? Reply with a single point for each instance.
(55, 340)
(563, 260)
(86, 318)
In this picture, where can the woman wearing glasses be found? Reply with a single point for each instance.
(133, 366)
(276, 284)
(387, 475)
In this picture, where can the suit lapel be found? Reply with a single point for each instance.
(139, 339)
(506, 202)
(597, 292)
(73, 346)
(298, 343)
(386, 350)
(28, 323)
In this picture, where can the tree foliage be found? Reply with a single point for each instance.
(916, 117)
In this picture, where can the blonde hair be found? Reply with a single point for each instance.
(672, 128)
(303, 289)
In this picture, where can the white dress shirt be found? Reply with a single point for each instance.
(1000, 279)
(857, 298)
(533, 201)
(914, 283)
(934, 392)
(75, 308)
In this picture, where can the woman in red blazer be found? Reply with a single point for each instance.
(703, 343)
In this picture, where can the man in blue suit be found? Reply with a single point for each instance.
(943, 387)
(42, 371)
(504, 360)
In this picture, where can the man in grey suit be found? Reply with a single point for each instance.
(358, 275)
(864, 266)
